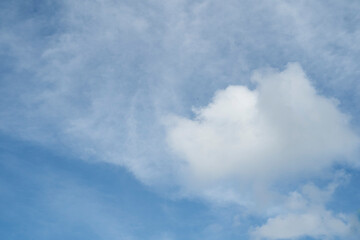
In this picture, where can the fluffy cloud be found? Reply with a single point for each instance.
(246, 141)
(282, 129)
(304, 215)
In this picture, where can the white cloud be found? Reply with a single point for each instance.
(321, 225)
(304, 214)
(102, 81)
(247, 141)
(281, 130)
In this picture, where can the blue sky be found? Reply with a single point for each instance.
(179, 119)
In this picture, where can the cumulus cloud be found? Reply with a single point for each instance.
(305, 215)
(246, 141)
(282, 129)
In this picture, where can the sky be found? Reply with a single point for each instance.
(180, 120)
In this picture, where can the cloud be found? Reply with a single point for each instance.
(281, 130)
(318, 224)
(97, 79)
(247, 144)
(305, 215)
(108, 71)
